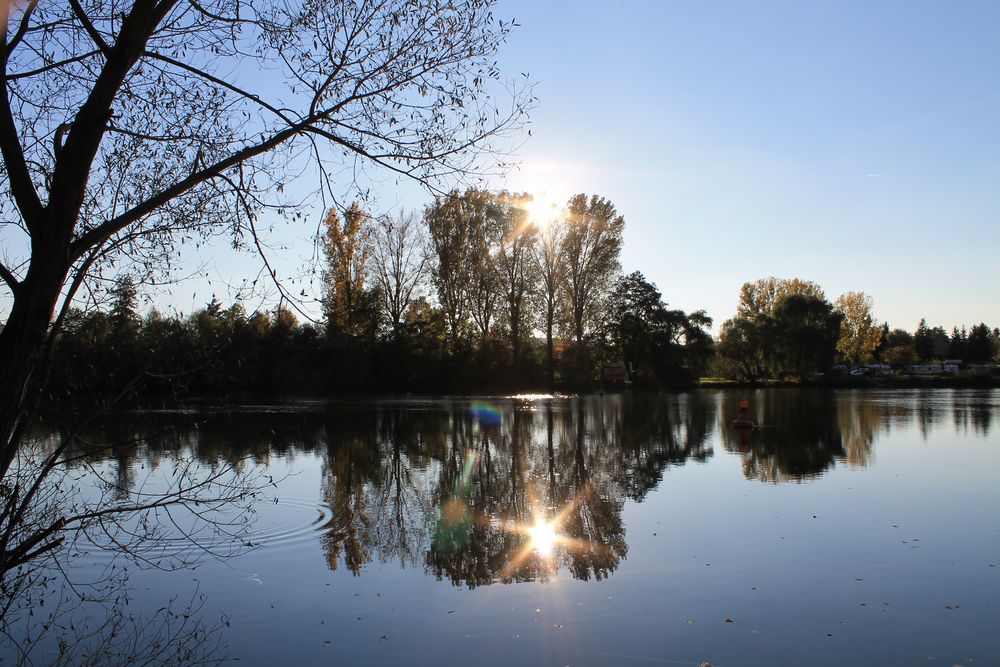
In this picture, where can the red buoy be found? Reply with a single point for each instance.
(743, 421)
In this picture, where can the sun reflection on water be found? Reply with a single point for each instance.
(543, 538)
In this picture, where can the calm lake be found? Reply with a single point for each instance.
(850, 528)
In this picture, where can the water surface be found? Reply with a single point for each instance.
(853, 527)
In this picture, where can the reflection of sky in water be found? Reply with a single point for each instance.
(637, 527)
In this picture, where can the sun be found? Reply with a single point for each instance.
(542, 209)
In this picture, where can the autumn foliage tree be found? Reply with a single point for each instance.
(549, 266)
(782, 328)
(348, 303)
(860, 334)
(759, 298)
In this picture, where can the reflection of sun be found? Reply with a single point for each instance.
(546, 539)
(543, 538)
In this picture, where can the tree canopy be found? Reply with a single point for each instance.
(782, 328)
(860, 335)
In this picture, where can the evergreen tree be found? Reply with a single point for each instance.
(956, 344)
(124, 301)
(923, 344)
(979, 344)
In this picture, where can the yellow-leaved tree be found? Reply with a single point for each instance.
(860, 334)
(346, 247)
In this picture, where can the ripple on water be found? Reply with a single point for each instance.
(276, 526)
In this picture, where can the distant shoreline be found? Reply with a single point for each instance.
(893, 382)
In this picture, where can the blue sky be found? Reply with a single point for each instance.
(850, 144)
(854, 144)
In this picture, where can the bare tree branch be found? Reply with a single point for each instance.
(8, 277)
(89, 27)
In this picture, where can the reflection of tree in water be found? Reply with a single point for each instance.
(858, 418)
(462, 494)
(350, 468)
(571, 464)
(799, 435)
(159, 499)
(593, 519)
(928, 410)
(973, 411)
(376, 479)
(804, 432)
(537, 468)
(485, 486)
(652, 433)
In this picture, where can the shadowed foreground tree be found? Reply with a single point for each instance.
(452, 224)
(548, 262)
(127, 128)
(591, 248)
(661, 347)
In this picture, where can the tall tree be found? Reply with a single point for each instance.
(930, 342)
(922, 343)
(590, 251)
(956, 344)
(346, 248)
(124, 301)
(860, 335)
(486, 229)
(515, 268)
(398, 260)
(128, 127)
(548, 261)
(457, 225)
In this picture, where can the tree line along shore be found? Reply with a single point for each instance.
(476, 294)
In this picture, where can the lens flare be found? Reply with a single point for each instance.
(486, 414)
